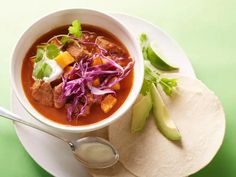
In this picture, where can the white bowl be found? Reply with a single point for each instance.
(65, 17)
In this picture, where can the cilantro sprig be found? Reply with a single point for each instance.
(150, 99)
(39, 54)
(75, 28)
(52, 51)
(168, 85)
(41, 68)
(65, 40)
(152, 73)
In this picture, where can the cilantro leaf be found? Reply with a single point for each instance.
(75, 28)
(47, 70)
(52, 51)
(145, 87)
(143, 38)
(42, 70)
(150, 76)
(39, 54)
(65, 39)
(144, 43)
(37, 72)
(170, 82)
(168, 85)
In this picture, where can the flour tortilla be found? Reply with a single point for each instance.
(117, 170)
(200, 119)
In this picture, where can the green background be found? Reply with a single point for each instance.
(205, 29)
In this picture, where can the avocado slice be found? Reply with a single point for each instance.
(140, 112)
(166, 126)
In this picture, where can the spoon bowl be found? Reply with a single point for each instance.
(92, 152)
(95, 152)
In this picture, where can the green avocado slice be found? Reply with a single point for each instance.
(166, 126)
(140, 112)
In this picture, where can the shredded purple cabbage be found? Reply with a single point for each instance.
(77, 84)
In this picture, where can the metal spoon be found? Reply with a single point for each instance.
(92, 152)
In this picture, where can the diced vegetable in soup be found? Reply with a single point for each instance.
(77, 74)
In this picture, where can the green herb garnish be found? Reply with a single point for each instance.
(168, 85)
(65, 40)
(52, 51)
(41, 70)
(151, 73)
(47, 69)
(39, 54)
(75, 28)
(150, 76)
(144, 44)
(150, 98)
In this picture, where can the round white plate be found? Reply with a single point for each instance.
(55, 156)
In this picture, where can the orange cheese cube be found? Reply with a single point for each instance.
(104, 61)
(64, 59)
(108, 103)
(96, 82)
(116, 86)
(97, 61)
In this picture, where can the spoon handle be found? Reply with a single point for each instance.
(9, 115)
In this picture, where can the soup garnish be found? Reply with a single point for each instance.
(150, 99)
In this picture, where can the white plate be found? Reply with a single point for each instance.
(54, 155)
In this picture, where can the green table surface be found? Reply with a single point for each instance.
(205, 29)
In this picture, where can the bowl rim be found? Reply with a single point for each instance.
(96, 125)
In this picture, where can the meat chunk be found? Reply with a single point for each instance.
(55, 42)
(79, 106)
(59, 102)
(88, 37)
(86, 110)
(56, 82)
(111, 47)
(108, 103)
(91, 99)
(77, 51)
(42, 93)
